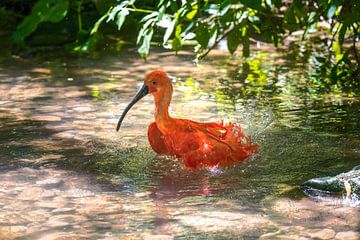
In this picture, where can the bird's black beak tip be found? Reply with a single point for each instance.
(144, 90)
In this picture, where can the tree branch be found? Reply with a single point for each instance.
(333, 36)
(208, 50)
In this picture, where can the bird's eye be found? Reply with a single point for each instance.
(154, 82)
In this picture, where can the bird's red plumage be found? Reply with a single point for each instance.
(197, 144)
(202, 144)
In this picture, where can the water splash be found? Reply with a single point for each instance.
(215, 170)
(254, 122)
(267, 119)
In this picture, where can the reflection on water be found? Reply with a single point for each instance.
(66, 173)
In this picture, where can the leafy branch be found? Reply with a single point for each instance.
(205, 24)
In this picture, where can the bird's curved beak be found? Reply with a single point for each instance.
(144, 90)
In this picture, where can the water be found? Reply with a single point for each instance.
(66, 173)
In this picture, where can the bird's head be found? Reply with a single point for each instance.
(157, 83)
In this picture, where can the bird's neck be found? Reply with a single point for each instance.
(162, 102)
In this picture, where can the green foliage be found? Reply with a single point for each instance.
(176, 43)
(42, 11)
(209, 22)
(205, 24)
(254, 4)
(233, 40)
(8, 19)
(144, 42)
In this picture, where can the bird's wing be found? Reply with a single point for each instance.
(212, 130)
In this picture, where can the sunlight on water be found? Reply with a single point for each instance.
(65, 172)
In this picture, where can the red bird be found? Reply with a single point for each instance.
(198, 144)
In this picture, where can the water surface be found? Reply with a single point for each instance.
(66, 173)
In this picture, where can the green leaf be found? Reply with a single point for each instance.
(160, 4)
(203, 35)
(145, 43)
(331, 11)
(169, 31)
(174, 6)
(149, 22)
(308, 28)
(213, 34)
(162, 11)
(233, 40)
(150, 16)
(170, 27)
(254, 4)
(42, 11)
(255, 28)
(342, 32)
(311, 17)
(140, 35)
(176, 43)
(113, 12)
(121, 17)
(212, 9)
(190, 15)
(225, 6)
(181, 13)
(312, 20)
(131, 2)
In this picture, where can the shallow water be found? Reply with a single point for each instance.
(66, 173)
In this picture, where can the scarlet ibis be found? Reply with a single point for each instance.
(197, 144)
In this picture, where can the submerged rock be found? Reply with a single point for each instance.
(347, 184)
